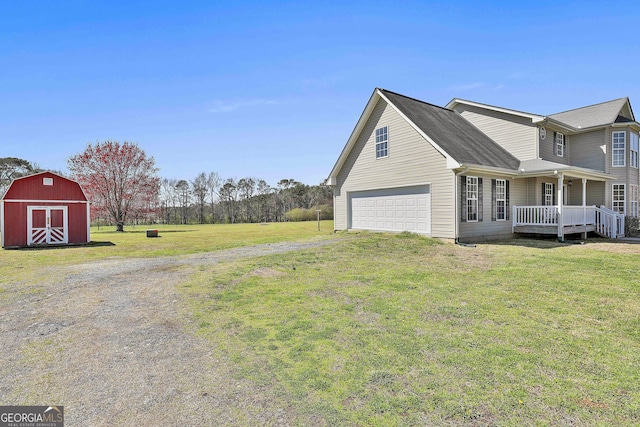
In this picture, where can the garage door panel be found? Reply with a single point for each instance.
(399, 209)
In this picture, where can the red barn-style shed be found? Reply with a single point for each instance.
(44, 209)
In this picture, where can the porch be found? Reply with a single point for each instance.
(561, 220)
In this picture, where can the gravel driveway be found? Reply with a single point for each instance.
(110, 344)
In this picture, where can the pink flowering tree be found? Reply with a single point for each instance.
(119, 179)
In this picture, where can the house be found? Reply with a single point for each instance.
(473, 172)
(44, 209)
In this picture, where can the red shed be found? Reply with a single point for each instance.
(44, 209)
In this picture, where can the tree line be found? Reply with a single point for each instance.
(209, 199)
(123, 185)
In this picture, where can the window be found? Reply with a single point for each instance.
(500, 191)
(560, 144)
(633, 150)
(618, 198)
(548, 194)
(633, 200)
(382, 142)
(617, 152)
(472, 199)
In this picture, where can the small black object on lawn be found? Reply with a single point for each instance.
(152, 233)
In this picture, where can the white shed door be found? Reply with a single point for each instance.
(396, 209)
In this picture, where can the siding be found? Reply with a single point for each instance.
(588, 150)
(624, 175)
(411, 161)
(488, 229)
(546, 147)
(516, 134)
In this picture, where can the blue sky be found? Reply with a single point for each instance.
(272, 90)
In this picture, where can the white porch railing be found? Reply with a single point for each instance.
(535, 215)
(609, 223)
(606, 222)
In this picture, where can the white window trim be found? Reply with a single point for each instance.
(473, 201)
(385, 141)
(624, 198)
(624, 148)
(548, 194)
(501, 183)
(560, 145)
(634, 205)
(633, 160)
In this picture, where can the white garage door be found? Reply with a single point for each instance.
(396, 209)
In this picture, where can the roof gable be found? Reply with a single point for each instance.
(456, 136)
(32, 187)
(595, 115)
(446, 130)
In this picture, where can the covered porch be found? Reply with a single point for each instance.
(562, 220)
(554, 212)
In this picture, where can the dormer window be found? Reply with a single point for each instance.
(560, 144)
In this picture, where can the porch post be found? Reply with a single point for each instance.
(559, 199)
(584, 206)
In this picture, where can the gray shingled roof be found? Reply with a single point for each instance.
(593, 115)
(453, 133)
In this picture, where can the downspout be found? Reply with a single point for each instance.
(455, 203)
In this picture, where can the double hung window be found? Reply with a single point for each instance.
(633, 200)
(633, 150)
(472, 198)
(382, 142)
(501, 200)
(618, 198)
(560, 144)
(618, 142)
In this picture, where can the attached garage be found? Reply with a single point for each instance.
(392, 209)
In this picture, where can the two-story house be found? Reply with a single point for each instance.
(472, 171)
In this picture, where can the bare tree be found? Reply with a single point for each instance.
(228, 195)
(264, 190)
(200, 191)
(213, 183)
(184, 196)
(246, 188)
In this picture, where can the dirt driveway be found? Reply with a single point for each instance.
(109, 342)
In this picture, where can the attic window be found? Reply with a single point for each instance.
(47, 181)
(382, 142)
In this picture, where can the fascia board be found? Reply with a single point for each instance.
(631, 109)
(567, 171)
(417, 129)
(488, 170)
(535, 118)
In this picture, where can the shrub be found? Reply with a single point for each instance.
(299, 214)
(632, 226)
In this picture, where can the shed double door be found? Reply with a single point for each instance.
(47, 225)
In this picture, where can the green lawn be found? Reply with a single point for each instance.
(400, 330)
(380, 329)
(18, 265)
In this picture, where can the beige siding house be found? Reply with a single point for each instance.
(473, 172)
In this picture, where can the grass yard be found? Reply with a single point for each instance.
(388, 330)
(24, 264)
